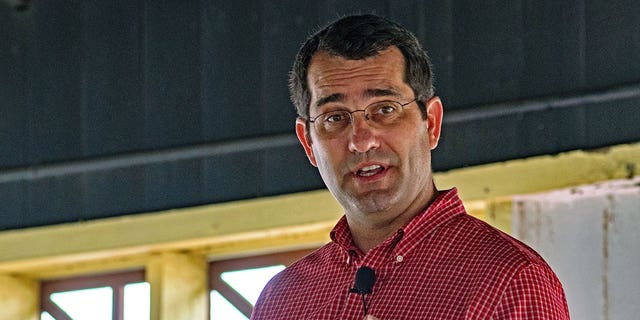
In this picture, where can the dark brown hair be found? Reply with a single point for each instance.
(358, 37)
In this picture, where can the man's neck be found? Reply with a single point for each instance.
(373, 229)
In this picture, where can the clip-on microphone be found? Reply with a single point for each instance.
(365, 278)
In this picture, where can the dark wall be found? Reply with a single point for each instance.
(118, 107)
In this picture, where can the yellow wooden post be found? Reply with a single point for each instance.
(19, 298)
(179, 286)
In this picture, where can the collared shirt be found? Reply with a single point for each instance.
(444, 264)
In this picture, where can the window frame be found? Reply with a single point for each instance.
(117, 282)
(217, 268)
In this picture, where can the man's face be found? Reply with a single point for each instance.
(370, 170)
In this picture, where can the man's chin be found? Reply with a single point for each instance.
(372, 201)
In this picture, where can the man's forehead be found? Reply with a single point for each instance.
(322, 59)
(334, 79)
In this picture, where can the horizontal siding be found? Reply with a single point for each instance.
(84, 82)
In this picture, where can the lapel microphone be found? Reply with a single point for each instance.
(365, 278)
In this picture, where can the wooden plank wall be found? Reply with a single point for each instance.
(120, 107)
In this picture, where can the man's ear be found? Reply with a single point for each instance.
(305, 140)
(434, 121)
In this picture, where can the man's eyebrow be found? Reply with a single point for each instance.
(369, 93)
(328, 99)
(382, 93)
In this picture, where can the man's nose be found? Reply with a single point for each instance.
(363, 136)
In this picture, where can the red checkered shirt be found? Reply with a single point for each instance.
(444, 264)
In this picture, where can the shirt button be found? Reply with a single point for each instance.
(399, 258)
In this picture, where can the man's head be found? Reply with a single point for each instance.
(367, 128)
(355, 38)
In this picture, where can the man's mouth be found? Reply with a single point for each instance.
(369, 171)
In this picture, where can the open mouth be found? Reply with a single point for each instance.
(369, 171)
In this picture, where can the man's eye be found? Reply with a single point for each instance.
(385, 109)
(335, 118)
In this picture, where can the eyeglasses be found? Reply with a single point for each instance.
(380, 114)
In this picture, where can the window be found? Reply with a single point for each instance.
(120, 296)
(236, 284)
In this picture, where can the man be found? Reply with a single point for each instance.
(368, 120)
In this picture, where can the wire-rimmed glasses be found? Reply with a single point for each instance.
(380, 114)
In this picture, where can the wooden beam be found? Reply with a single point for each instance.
(179, 286)
(543, 173)
(19, 298)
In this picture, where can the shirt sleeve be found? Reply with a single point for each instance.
(534, 293)
(259, 312)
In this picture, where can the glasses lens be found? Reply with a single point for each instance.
(384, 112)
(332, 123)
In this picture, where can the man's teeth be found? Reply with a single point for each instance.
(369, 170)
